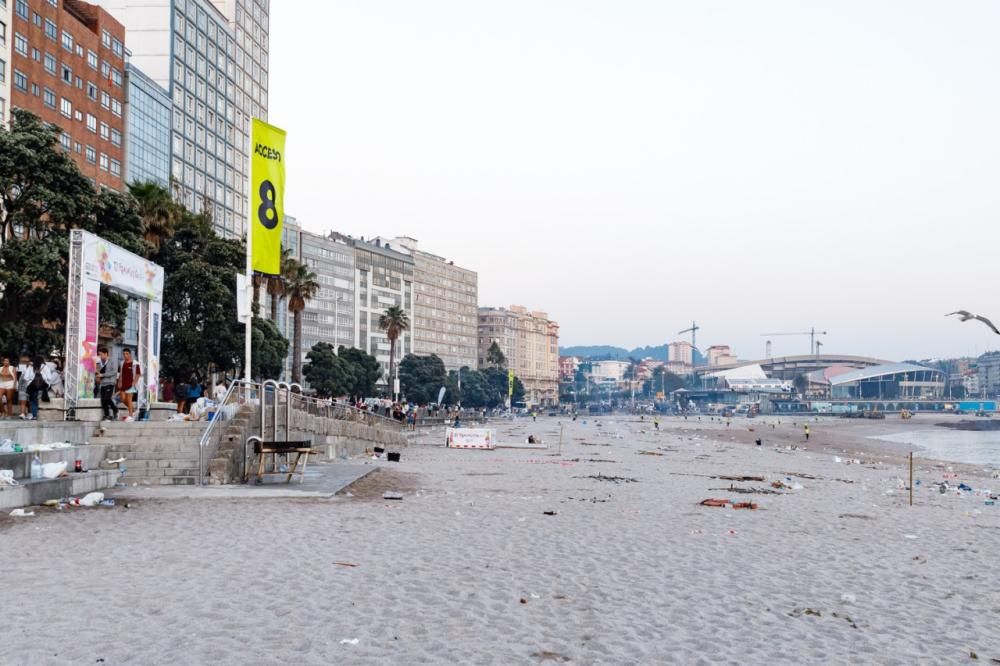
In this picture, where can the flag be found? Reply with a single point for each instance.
(510, 383)
(267, 192)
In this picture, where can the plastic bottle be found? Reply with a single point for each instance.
(36, 468)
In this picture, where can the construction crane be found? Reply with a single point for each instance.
(814, 344)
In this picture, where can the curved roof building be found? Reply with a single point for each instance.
(889, 381)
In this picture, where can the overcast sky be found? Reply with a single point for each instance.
(629, 166)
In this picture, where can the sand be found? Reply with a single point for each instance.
(468, 568)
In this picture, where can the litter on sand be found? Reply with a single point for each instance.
(390, 495)
(21, 513)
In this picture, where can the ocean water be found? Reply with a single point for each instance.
(964, 446)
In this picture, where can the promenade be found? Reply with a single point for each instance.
(600, 555)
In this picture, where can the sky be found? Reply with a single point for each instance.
(631, 166)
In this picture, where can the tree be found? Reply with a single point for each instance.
(327, 372)
(393, 322)
(300, 287)
(421, 377)
(276, 283)
(365, 369)
(270, 349)
(41, 189)
(495, 357)
(158, 211)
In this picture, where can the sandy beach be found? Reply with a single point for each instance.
(600, 555)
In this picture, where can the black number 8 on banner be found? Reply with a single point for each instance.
(266, 212)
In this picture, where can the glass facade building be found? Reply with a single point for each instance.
(147, 130)
(212, 58)
(891, 381)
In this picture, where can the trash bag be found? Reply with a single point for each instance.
(53, 470)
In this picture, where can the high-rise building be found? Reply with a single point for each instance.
(329, 316)
(5, 43)
(147, 129)
(383, 278)
(445, 306)
(68, 67)
(212, 57)
(530, 343)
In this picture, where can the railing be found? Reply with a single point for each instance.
(239, 393)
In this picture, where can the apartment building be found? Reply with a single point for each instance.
(148, 110)
(330, 315)
(212, 57)
(5, 44)
(383, 278)
(530, 342)
(68, 67)
(444, 320)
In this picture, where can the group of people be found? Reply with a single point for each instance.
(120, 379)
(26, 383)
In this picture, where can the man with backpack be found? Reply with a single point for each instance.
(107, 378)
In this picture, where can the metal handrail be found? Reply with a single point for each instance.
(237, 387)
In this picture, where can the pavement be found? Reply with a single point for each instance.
(322, 480)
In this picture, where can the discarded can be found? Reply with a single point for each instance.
(79, 465)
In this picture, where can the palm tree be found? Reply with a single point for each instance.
(159, 212)
(394, 321)
(300, 286)
(276, 283)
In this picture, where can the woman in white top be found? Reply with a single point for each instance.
(8, 386)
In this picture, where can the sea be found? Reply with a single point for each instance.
(963, 446)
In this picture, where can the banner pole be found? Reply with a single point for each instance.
(248, 335)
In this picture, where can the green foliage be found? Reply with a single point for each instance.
(41, 188)
(159, 213)
(328, 373)
(365, 368)
(270, 349)
(33, 304)
(662, 380)
(421, 377)
(482, 388)
(495, 357)
(300, 286)
(393, 322)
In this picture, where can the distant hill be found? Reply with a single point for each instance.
(607, 352)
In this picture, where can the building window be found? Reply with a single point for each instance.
(66, 141)
(105, 69)
(116, 137)
(22, 9)
(104, 131)
(67, 41)
(50, 64)
(116, 108)
(67, 74)
(49, 98)
(20, 81)
(91, 122)
(21, 44)
(105, 100)
(106, 39)
(50, 30)
(116, 77)
(3, 72)
(104, 162)
(91, 154)
(66, 107)
(91, 91)
(116, 47)
(116, 168)
(92, 59)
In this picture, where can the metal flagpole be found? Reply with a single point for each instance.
(248, 341)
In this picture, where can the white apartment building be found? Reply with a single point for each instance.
(681, 352)
(383, 277)
(212, 57)
(6, 38)
(444, 321)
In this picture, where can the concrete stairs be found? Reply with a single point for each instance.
(156, 452)
(74, 484)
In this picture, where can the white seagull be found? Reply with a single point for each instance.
(965, 315)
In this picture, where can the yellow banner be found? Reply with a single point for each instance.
(510, 383)
(267, 194)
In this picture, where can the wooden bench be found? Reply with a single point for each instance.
(301, 449)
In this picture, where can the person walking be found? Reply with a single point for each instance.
(25, 375)
(107, 378)
(8, 386)
(806, 431)
(128, 380)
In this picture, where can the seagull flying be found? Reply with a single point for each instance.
(965, 315)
